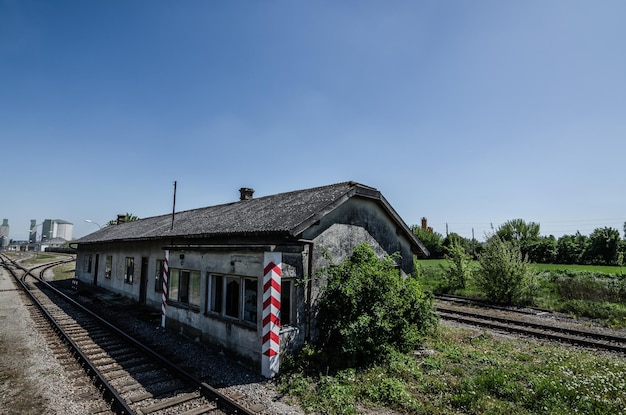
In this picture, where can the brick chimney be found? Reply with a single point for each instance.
(246, 193)
(424, 223)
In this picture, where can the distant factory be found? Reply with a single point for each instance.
(55, 233)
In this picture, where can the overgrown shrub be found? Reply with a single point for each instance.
(504, 276)
(460, 266)
(368, 310)
(589, 286)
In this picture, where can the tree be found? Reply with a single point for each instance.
(433, 241)
(504, 276)
(603, 246)
(455, 238)
(519, 232)
(367, 310)
(543, 250)
(571, 249)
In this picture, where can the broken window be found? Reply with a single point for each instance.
(249, 299)
(216, 293)
(158, 276)
(234, 297)
(108, 266)
(285, 302)
(184, 287)
(130, 270)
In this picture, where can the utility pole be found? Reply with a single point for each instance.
(174, 206)
(473, 244)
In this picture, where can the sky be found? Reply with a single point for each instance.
(468, 113)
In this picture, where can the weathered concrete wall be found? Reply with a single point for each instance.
(241, 338)
(354, 222)
(119, 252)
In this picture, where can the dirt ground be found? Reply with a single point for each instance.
(31, 380)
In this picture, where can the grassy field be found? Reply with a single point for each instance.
(471, 372)
(64, 271)
(604, 269)
(462, 371)
(61, 272)
(437, 263)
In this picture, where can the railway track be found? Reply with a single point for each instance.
(129, 377)
(519, 322)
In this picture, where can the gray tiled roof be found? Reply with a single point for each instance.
(284, 213)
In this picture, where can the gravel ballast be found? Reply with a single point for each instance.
(33, 382)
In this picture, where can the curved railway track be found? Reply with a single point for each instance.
(131, 377)
(517, 321)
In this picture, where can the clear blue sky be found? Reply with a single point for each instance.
(469, 113)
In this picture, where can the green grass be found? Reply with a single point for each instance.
(471, 373)
(604, 269)
(42, 257)
(64, 271)
(582, 291)
(430, 264)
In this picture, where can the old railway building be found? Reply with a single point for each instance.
(244, 276)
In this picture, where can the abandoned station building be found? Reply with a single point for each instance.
(238, 273)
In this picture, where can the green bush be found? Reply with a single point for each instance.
(504, 276)
(368, 310)
(590, 286)
(459, 270)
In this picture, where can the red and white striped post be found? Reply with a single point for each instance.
(166, 273)
(272, 272)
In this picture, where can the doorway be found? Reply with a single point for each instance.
(95, 271)
(143, 281)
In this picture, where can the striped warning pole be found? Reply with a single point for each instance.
(272, 272)
(166, 273)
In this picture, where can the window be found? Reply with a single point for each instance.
(173, 284)
(216, 292)
(108, 266)
(158, 276)
(130, 270)
(233, 297)
(285, 302)
(89, 263)
(249, 299)
(185, 287)
(194, 288)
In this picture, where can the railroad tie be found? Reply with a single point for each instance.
(167, 403)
